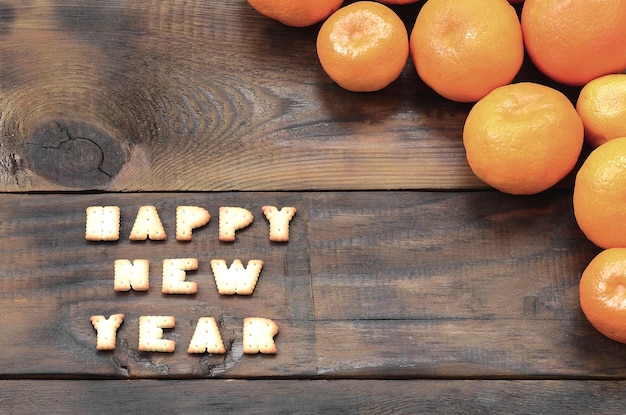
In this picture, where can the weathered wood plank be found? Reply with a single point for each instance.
(291, 396)
(205, 95)
(460, 250)
(371, 284)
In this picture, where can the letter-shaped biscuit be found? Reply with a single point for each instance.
(189, 218)
(206, 337)
(151, 334)
(107, 330)
(258, 335)
(279, 222)
(103, 223)
(133, 275)
(147, 225)
(236, 279)
(232, 219)
(174, 276)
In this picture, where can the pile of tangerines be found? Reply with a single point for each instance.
(520, 138)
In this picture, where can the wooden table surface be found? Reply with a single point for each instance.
(406, 286)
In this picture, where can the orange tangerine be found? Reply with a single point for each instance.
(574, 41)
(602, 107)
(600, 195)
(463, 49)
(363, 47)
(397, 1)
(522, 138)
(602, 291)
(297, 13)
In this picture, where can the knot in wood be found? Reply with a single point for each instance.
(75, 154)
(80, 155)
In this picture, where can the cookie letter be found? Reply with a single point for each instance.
(206, 338)
(236, 279)
(151, 334)
(103, 223)
(189, 218)
(232, 219)
(107, 330)
(147, 225)
(258, 335)
(279, 222)
(133, 275)
(174, 276)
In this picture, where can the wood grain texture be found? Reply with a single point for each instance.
(318, 397)
(205, 95)
(376, 285)
(401, 290)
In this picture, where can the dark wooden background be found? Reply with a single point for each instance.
(407, 285)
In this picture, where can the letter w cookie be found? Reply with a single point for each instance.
(236, 279)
